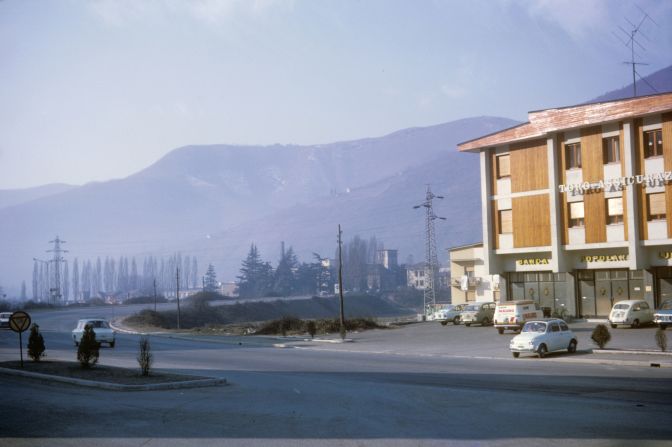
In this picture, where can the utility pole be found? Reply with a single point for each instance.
(340, 282)
(431, 258)
(154, 294)
(57, 251)
(177, 293)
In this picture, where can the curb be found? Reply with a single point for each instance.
(631, 351)
(115, 386)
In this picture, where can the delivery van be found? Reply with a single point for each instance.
(514, 314)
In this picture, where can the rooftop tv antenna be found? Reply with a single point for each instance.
(631, 42)
(431, 259)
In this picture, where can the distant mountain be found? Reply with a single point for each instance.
(661, 81)
(11, 197)
(198, 191)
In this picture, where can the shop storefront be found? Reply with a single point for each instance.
(600, 289)
(547, 289)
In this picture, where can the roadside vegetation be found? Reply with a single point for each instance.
(200, 312)
(295, 326)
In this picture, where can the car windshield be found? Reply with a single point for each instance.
(473, 307)
(667, 305)
(534, 326)
(622, 306)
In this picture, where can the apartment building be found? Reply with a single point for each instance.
(577, 206)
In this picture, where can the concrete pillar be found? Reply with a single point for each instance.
(635, 260)
(555, 206)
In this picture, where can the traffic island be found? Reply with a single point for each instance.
(104, 377)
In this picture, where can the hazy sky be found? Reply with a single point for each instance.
(99, 89)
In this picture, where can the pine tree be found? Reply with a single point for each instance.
(88, 349)
(255, 275)
(210, 279)
(36, 346)
(75, 280)
(194, 272)
(284, 281)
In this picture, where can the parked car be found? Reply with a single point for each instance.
(478, 313)
(4, 319)
(543, 336)
(514, 314)
(663, 316)
(450, 313)
(630, 312)
(102, 329)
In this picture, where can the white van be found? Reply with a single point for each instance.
(514, 314)
(630, 312)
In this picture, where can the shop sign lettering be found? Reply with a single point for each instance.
(533, 261)
(617, 184)
(604, 258)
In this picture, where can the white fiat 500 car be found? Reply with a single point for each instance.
(102, 329)
(543, 336)
(630, 312)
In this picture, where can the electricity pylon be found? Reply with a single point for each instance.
(55, 292)
(431, 258)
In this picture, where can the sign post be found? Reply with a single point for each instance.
(20, 322)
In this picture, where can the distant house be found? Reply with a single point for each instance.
(228, 289)
(415, 276)
(468, 280)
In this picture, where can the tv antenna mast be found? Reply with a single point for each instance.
(631, 42)
(431, 258)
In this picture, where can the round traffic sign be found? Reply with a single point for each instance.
(19, 321)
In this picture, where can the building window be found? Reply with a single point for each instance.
(615, 210)
(503, 166)
(653, 143)
(576, 215)
(505, 222)
(611, 150)
(573, 155)
(656, 206)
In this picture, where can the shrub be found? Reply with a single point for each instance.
(661, 339)
(601, 335)
(311, 327)
(35, 344)
(88, 350)
(145, 356)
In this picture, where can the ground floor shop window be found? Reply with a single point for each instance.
(547, 289)
(600, 289)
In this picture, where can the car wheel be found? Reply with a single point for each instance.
(500, 330)
(635, 324)
(485, 321)
(613, 326)
(516, 354)
(467, 324)
(112, 344)
(572, 347)
(444, 322)
(456, 320)
(662, 326)
(542, 351)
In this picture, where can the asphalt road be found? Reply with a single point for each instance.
(419, 385)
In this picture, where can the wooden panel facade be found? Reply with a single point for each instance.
(529, 166)
(667, 155)
(531, 221)
(593, 171)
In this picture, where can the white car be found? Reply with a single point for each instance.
(543, 336)
(633, 313)
(104, 333)
(4, 319)
(450, 313)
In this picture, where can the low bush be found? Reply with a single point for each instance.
(601, 335)
(661, 339)
(88, 350)
(36, 346)
(145, 356)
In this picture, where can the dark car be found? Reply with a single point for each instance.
(663, 316)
